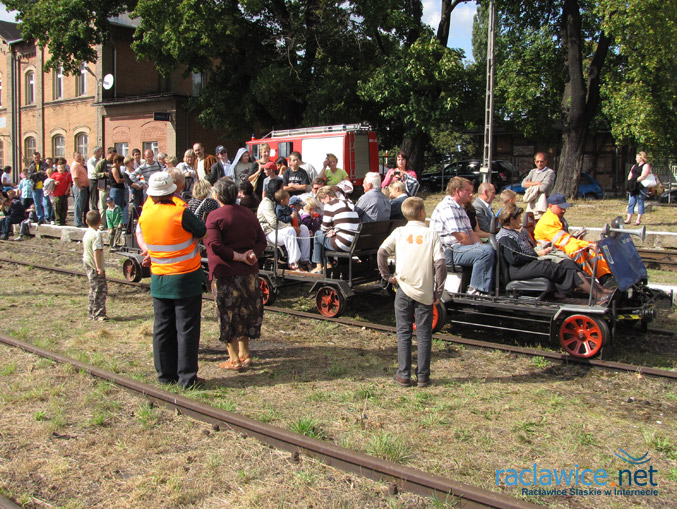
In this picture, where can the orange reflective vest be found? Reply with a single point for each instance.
(549, 227)
(171, 248)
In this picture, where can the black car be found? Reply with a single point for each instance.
(436, 181)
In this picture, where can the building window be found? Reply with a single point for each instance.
(29, 148)
(122, 148)
(0, 90)
(59, 146)
(153, 145)
(82, 144)
(30, 87)
(58, 83)
(2, 153)
(198, 83)
(81, 81)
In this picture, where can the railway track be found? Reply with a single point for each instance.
(400, 477)
(660, 259)
(534, 352)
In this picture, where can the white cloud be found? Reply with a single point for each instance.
(6, 16)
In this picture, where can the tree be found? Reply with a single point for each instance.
(638, 91)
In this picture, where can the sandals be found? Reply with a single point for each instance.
(316, 271)
(638, 223)
(231, 366)
(245, 362)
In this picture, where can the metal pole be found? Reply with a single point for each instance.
(489, 101)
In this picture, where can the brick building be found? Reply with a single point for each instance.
(116, 101)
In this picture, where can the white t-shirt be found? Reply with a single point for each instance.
(201, 169)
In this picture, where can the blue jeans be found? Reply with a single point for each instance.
(38, 198)
(478, 256)
(637, 200)
(49, 208)
(320, 243)
(406, 310)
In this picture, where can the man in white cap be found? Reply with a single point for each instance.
(168, 235)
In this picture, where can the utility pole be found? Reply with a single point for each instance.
(489, 100)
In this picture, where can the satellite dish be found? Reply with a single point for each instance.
(108, 81)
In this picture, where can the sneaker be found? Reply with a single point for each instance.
(52, 222)
(402, 382)
(19, 237)
(422, 382)
(4, 237)
(102, 319)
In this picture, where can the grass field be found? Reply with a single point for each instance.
(69, 441)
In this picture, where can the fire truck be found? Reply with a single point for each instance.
(354, 145)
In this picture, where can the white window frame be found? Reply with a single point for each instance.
(60, 149)
(122, 148)
(153, 145)
(81, 81)
(30, 87)
(82, 144)
(57, 91)
(29, 147)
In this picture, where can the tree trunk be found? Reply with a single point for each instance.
(579, 102)
(444, 27)
(415, 147)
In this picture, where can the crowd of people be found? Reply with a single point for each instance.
(238, 208)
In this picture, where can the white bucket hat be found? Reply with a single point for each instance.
(160, 184)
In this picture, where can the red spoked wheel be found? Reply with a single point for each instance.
(268, 293)
(439, 317)
(330, 302)
(132, 270)
(583, 336)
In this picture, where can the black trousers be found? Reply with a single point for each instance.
(176, 338)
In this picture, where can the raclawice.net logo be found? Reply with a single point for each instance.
(637, 478)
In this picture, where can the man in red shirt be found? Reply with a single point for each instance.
(62, 185)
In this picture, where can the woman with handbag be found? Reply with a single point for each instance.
(639, 179)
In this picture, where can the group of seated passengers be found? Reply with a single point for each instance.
(324, 215)
(462, 243)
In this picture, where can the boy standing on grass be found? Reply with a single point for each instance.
(114, 222)
(92, 257)
(420, 272)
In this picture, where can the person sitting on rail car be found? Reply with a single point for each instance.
(311, 215)
(246, 196)
(484, 212)
(372, 205)
(92, 258)
(461, 244)
(285, 214)
(279, 231)
(420, 272)
(551, 227)
(398, 193)
(508, 196)
(340, 223)
(522, 260)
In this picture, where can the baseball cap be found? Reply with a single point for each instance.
(559, 200)
(220, 149)
(295, 199)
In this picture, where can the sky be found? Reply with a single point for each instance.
(461, 22)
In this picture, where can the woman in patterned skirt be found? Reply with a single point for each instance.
(234, 243)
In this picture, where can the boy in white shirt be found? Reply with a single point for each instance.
(420, 272)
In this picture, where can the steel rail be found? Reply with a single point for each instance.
(406, 478)
(534, 352)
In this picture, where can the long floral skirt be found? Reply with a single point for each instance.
(239, 307)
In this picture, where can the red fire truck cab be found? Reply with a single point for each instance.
(354, 145)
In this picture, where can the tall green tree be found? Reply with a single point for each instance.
(639, 91)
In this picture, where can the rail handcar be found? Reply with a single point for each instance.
(582, 328)
(352, 272)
